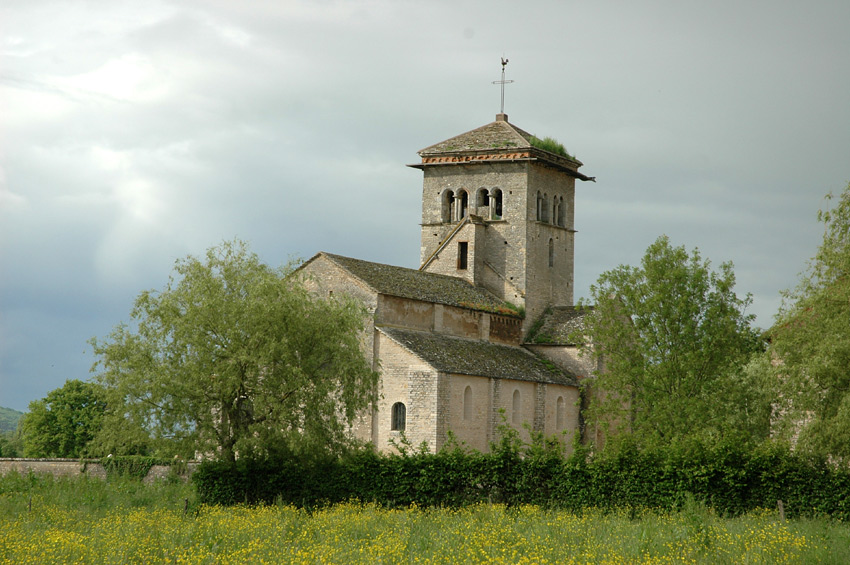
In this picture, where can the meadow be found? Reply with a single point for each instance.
(46, 520)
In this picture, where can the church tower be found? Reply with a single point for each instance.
(498, 210)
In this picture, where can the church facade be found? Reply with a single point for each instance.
(478, 336)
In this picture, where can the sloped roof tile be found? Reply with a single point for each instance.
(495, 135)
(470, 357)
(419, 285)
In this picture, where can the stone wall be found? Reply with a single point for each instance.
(408, 379)
(567, 357)
(510, 256)
(76, 468)
(469, 410)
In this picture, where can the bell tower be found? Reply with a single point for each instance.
(498, 207)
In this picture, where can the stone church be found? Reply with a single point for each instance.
(478, 335)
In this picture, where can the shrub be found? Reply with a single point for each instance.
(730, 477)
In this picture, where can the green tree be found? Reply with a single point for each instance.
(234, 357)
(64, 422)
(10, 444)
(810, 343)
(673, 337)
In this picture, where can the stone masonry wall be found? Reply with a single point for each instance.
(527, 405)
(469, 423)
(75, 468)
(570, 417)
(405, 378)
(549, 286)
(504, 240)
(566, 357)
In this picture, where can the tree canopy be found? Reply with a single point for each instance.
(64, 422)
(673, 337)
(234, 357)
(810, 342)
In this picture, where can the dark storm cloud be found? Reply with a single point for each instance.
(133, 135)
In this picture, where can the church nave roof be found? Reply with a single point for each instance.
(461, 356)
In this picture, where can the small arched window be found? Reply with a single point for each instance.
(539, 207)
(551, 252)
(463, 196)
(545, 207)
(446, 208)
(399, 417)
(496, 204)
(560, 413)
(516, 408)
(467, 403)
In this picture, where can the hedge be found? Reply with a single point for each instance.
(731, 478)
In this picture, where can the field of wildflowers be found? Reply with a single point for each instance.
(120, 521)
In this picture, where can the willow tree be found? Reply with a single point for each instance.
(234, 357)
(811, 343)
(673, 338)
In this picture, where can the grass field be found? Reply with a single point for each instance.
(122, 521)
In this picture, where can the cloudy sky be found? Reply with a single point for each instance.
(136, 133)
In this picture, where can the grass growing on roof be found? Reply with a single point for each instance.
(551, 145)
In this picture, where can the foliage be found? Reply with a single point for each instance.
(122, 435)
(810, 350)
(11, 444)
(83, 498)
(9, 419)
(64, 422)
(235, 357)
(728, 476)
(136, 467)
(551, 145)
(56, 532)
(673, 337)
(10, 437)
(505, 309)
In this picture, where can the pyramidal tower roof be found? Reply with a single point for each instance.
(497, 141)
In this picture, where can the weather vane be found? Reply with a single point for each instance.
(503, 82)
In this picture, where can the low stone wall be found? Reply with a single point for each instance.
(75, 468)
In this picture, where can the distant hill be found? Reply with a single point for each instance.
(9, 419)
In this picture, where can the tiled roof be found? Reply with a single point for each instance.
(470, 357)
(557, 324)
(419, 285)
(495, 135)
(495, 141)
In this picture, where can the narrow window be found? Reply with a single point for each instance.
(467, 403)
(551, 252)
(545, 208)
(562, 213)
(399, 417)
(560, 413)
(462, 250)
(483, 198)
(496, 204)
(515, 413)
(539, 207)
(464, 204)
(447, 203)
